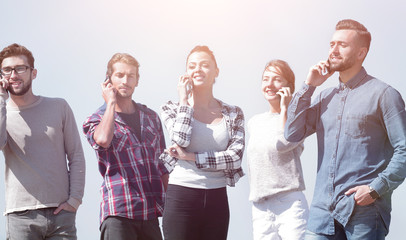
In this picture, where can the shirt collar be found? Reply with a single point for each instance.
(354, 81)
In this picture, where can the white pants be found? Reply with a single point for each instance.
(283, 216)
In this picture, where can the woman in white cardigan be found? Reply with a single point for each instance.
(279, 208)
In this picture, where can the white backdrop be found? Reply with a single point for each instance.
(73, 40)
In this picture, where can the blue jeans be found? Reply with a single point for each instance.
(365, 223)
(119, 228)
(195, 214)
(41, 224)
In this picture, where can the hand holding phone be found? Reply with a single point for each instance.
(108, 91)
(319, 73)
(3, 82)
(326, 69)
(189, 88)
(185, 88)
(107, 79)
(285, 95)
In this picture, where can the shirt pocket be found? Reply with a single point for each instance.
(120, 139)
(355, 125)
(150, 136)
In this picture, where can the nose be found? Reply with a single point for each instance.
(198, 68)
(125, 79)
(13, 73)
(334, 48)
(269, 84)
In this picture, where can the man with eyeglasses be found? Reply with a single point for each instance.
(45, 166)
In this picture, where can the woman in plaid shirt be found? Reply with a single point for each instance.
(208, 145)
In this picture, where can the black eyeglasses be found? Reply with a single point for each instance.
(7, 71)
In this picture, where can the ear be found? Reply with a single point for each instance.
(362, 53)
(34, 73)
(138, 79)
(217, 72)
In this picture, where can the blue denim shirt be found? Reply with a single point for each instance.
(360, 129)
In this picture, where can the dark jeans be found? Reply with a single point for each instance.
(119, 228)
(193, 214)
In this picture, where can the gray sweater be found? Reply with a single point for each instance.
(45, 164)
(273, 162)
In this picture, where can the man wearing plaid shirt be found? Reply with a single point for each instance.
(128, 140)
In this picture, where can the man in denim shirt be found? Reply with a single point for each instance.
(360, 126)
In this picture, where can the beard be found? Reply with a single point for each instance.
(22, 91)
(343, 65)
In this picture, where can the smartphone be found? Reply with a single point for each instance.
(1, 77)
(327, 69)
(107, 78)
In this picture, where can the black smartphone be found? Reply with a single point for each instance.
(1, 77)
(107, 78)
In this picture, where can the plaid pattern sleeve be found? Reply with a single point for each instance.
(178, 120)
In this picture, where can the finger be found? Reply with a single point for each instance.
(320, 69)
(288, 91)
(281, 94)
(184, 79)
(283, 91)
(316, 68)
(105, 84)
(351, 191)
(58, 210)
(4, 83)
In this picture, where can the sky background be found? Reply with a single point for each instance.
(72, 42)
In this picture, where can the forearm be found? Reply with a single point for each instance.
(165, 180)
(301, 117)
(394, 118)
(3, 120)
(178, 121)
(284, 117)
(104, 132)
(77, 173)
(229, 159)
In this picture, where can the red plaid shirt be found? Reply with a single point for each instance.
(130, 167)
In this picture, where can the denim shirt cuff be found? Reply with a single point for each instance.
(306, 90)
(379, 186)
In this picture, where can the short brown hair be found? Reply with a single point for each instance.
(17, 50)
(124, 58)
(362, 31)
(284, 70)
